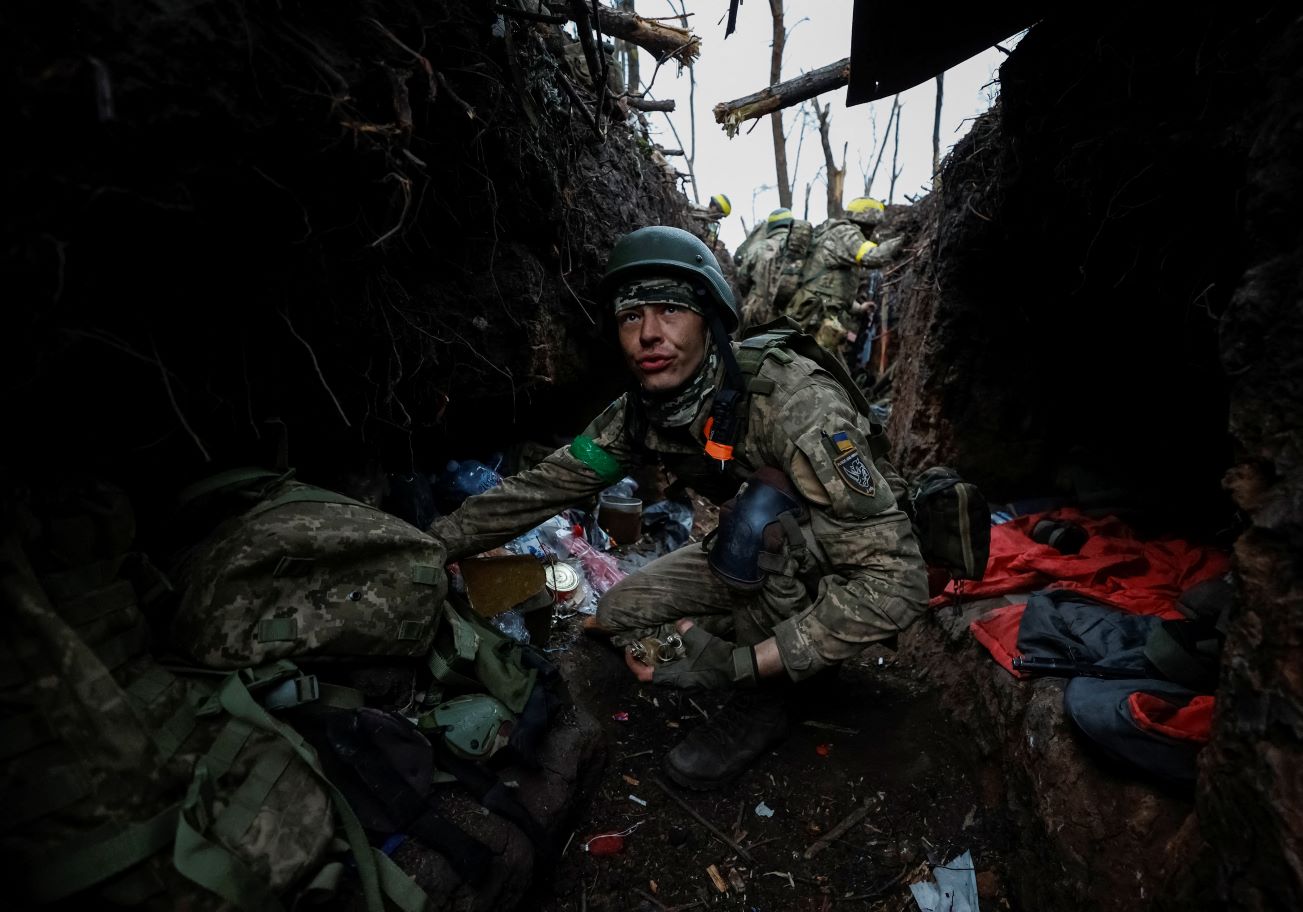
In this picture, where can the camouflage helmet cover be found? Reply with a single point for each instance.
(660, 250)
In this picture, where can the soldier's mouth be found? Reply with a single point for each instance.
(654, 365)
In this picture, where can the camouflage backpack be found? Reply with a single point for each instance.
(952, 521)
(124, 780)
(795, 250)
(304, 572)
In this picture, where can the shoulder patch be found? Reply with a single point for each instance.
(850, 465)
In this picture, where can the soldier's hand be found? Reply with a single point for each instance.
(707, 662)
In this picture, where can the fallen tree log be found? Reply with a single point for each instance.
(662, 41)
(783, 95)
(651, 104)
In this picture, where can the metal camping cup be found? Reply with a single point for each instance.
(620, 517)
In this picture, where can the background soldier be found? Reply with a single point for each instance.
(830, 279)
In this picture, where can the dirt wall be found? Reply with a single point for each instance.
(371, 230)
(1105, 304)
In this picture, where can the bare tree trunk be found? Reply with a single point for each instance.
(834, 177)
(632, 80)
(895, 155)
(806, 216)
(936, 134)
(895, 111)
(692, 107)
(776, 119)
(804, 121)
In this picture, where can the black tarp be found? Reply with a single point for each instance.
(896, 46)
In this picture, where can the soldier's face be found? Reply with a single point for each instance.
(664, 344)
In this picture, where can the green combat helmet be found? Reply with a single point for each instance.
(664, 251)
(475, 726)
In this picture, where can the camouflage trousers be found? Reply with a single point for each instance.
(681, 585)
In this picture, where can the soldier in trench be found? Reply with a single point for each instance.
(813, 558)
(842, 248)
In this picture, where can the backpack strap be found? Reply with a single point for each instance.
(779, 339)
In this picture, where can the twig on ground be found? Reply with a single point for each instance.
(828, 726)
(669, 793)
(831, 836)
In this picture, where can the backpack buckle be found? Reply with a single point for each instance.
(293, 692)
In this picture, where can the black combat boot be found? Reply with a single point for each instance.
(714, 753)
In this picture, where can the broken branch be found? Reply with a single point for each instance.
(714, 830)
(650, 104)
(836, 832)
(663, 41)
(783, 95)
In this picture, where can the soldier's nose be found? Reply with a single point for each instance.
(651, 328)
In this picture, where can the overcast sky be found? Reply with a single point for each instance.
(743, 167)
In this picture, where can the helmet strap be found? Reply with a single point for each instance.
(722, 425)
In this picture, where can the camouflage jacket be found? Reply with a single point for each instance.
(830, 277)
(866, 576)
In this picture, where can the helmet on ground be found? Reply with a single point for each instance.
(474, 726)
(660, 250)
(722, 202)
(865, 210)
(778, 219)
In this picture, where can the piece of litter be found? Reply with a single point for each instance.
(636, 800)
(717, 879)
(879, 660)
(953, 888)
(608, 843)
(632, 781)
(621, 716)
(823, 750)
(764, 810)
(600, 846)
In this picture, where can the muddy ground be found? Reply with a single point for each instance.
(876, 735)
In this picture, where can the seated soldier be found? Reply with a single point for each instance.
(813, 558)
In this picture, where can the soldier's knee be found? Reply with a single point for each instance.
(615, 608)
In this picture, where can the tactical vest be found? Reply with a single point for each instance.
(780, 339)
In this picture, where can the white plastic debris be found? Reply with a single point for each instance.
(953, 887)
(764, 810)
(636, 800)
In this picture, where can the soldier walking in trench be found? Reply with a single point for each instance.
(813, 558)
